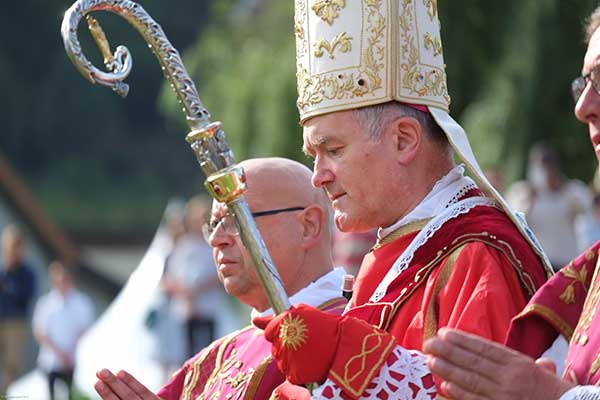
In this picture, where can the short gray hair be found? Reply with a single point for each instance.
(377, 117)
(591, 24)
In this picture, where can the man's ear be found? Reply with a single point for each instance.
(311, 220)
(407, 135)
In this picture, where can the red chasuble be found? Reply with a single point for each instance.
(475, 273)
(567, 305)
(237, 366)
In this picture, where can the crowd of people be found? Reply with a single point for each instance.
(454, 296)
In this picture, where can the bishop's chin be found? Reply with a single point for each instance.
(347, 224)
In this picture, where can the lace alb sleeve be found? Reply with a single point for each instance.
(404, 375)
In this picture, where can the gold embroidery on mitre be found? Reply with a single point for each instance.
(299, 20)
(337, 86)
(431, 8)
(434, 44)
(420, 79)
(342, 40)
(328, 10)
(293, 332)
(299, 31)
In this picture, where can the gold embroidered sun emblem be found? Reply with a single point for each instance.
(293, 332)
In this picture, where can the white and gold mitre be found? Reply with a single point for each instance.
(355, 53)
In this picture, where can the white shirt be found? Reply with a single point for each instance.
(62, 320)
(327, 287)
(191, 264)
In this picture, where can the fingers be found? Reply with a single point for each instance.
(477, 345)
(104, 385)
(453, 391)
(463, 379)
(141, 390)
(122, 386)
(547, 364)
(460, 359)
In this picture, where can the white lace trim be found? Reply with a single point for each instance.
(461, 192)
(447, 191)
(582, 393)
(403, 376)
(453, 211)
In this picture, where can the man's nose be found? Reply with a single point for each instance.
(322, 173)
(219, 237)
(588, 104)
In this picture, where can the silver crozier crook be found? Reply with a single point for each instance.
(225, 181)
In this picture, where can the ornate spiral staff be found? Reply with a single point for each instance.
(225, 180)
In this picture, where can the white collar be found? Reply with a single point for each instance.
(446, 191)
(327, 287)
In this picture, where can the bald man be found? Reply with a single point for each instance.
(293, 218)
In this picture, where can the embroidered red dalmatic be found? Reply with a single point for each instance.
(237, 366)
(567, 304)
(475, 273)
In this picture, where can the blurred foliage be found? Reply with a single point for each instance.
(97, 161)
(244, 66)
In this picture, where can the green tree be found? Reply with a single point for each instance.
(244, 66)
(94, 159)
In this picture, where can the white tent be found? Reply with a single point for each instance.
(120, 338)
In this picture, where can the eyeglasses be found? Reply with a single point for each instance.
(230, 225)
(579, 84)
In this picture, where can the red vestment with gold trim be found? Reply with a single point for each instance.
(475, 273)
(237, 366)
(567, 304)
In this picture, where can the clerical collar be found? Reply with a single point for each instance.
(448, 190)
(327, 287)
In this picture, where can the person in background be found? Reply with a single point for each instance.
(285, 205)
(587, 226)
(17, 290)
(566, 305)
(60, 318)
(349, 248)
(164, 324)
(551, 203)
(196, 299)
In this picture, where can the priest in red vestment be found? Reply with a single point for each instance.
(293, 218)
(374, 106)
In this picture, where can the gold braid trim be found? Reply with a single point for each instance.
(485, 238)
(332, 301)
(369, 376)
(191, 378)
(430, 327)
(256, 378)
(403, 230)
(564, 328)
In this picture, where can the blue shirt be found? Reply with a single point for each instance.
(16, 291)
